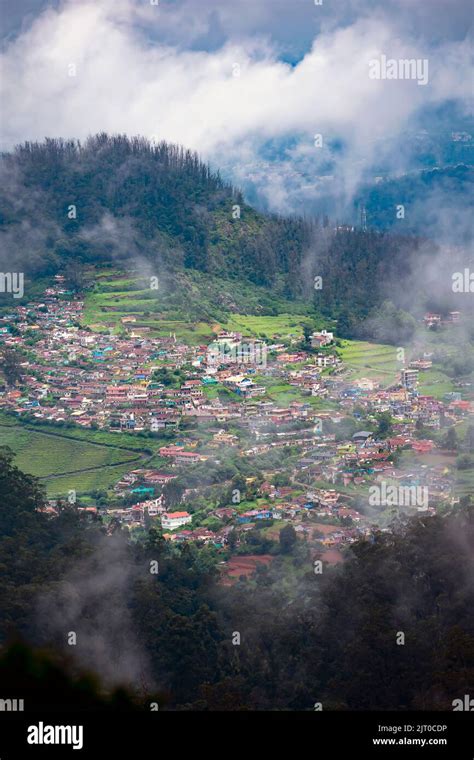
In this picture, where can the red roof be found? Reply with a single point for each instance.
(176, 515)
(422, 446)
(398, 440)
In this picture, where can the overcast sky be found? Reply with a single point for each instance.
(247, 83)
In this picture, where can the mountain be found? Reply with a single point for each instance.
(117, 199)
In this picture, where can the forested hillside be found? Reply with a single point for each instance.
(117, 199)
(135, 199)
(432, 199)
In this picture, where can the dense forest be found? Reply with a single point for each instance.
(64, 205)
(432, 199)
(334, 639)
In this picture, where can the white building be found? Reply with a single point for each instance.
(173, 520)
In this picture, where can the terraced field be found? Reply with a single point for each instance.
(435, 383)
(374, 361)
(64, 463)
(379, 362)
(192, 306)
(268, 327)
(84, 483)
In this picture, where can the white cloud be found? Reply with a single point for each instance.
(125, 83)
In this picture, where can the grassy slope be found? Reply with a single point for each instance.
(65, 463)
(193, 306)
(73, 458)
(374, 361)
(379, 362)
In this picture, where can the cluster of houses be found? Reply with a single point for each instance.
(433, 320)
(107, 380)
(111, 381)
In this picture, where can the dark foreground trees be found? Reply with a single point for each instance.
(390, 629)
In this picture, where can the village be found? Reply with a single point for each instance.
(318, 455)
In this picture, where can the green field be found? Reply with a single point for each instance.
(85, 482)
(284, 393)
(374, 361)
(268, 327)
(64, 463)
(378, 362)
(119, 440)
(191, 305)
(435, 383)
